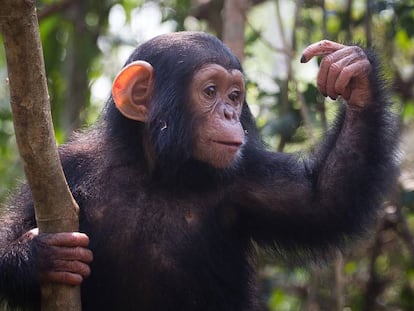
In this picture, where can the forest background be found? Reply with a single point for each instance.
(85, 43)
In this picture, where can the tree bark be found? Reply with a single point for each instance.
(55, 208)
(234, 21)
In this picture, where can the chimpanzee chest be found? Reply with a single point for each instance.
(185, 253)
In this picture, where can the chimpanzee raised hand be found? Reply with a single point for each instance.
(174, 184)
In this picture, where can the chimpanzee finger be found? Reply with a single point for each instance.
(334, 72)
(69, 239)
(328, 63)
(353, 70)
(63, 278)
(72, 266)
(73, 253)
(320, 48)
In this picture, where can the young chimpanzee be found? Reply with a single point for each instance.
(174, 184)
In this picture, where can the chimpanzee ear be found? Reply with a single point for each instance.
(132, 89)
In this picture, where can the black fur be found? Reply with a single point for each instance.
(171, 233)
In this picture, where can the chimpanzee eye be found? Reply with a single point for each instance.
(210, 91)
(234, 96)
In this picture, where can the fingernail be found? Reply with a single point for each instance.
(303, 59)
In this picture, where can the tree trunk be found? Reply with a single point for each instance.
(55, 207)
(234, 20)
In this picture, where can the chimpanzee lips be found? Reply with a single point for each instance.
(232, 144)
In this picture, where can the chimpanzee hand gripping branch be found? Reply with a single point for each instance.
(174, 184)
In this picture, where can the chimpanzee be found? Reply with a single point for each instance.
(176, 188)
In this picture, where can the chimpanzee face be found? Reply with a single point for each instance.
(216, 100)
(217, 97)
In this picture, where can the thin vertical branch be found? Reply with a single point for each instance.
(348, 21)
(339, 281)
(305, 114)
(311, 302)
(374, 284)
(324, 20)
(55, 208)
(284, 85)
(406, 235)
(234, 21)
(368, 19)
(320, 101)
(304, 109)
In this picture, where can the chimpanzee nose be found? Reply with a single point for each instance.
(229, 113)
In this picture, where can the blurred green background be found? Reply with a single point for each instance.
(86, 42)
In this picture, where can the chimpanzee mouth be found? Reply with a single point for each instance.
(231, 144)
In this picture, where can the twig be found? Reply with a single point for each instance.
(54, 8)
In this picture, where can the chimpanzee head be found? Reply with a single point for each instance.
(189, 91)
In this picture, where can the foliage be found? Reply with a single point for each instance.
(83, 46)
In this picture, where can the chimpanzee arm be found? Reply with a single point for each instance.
(18, 279)
(332, 195)
(28, 258)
